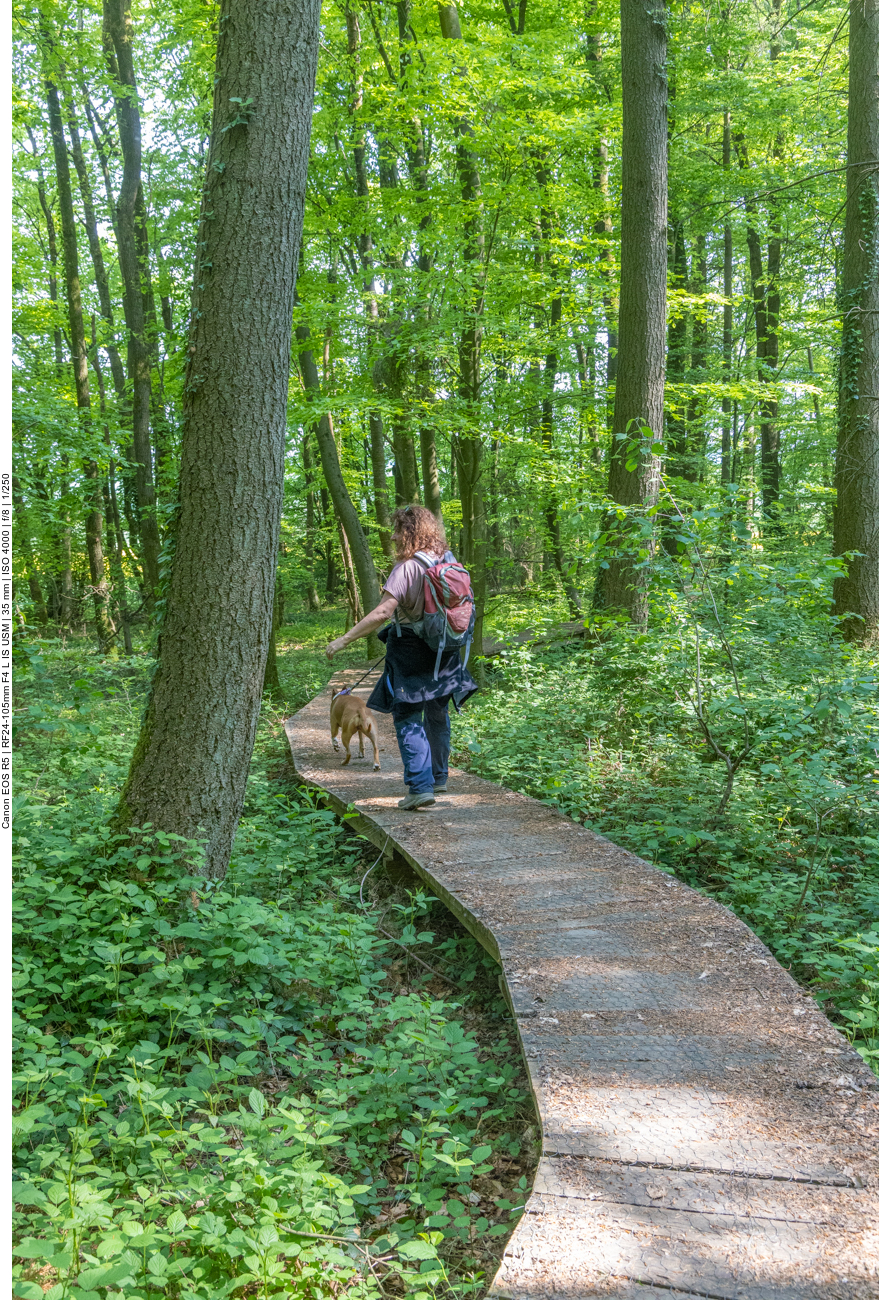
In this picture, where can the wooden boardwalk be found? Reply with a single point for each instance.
(706, 1132)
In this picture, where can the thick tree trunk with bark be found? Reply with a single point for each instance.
(118, 34)
(190, 766)
(857, 454)
(643, 261)
(79, 361)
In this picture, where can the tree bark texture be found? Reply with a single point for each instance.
(857, 455)
(190, 766)
(643, 267)
(118, 30)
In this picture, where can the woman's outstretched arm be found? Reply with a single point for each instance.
(383, 611)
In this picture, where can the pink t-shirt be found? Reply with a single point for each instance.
(406, 582)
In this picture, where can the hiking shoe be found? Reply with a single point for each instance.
(440, 789)
(413, 801)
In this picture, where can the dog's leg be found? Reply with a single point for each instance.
(346, 741)
(376, 765)
(334, 734)
(360, 738)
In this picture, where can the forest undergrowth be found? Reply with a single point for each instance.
(244, 1087)
(759, 786)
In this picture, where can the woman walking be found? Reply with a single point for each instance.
(416, 699)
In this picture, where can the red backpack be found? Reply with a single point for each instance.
(449, 607)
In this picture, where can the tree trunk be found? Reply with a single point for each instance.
(603, 228)
(118, 30)
(643, 262)
(469, 442)
(271, 682)
(97, 253)
(547, 405)
(189, 769)
(406, 463)
(380, 483)
(115, 536)
(345, 509)
(79, 361)
(23, 544)
(694, 463)
(726, 468)
(675, 419)
(766, 300)
(857, 453)
(311, 596)
(430, 471)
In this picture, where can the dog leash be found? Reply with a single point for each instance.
(346, 690)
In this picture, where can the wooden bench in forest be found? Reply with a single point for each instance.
(706, 1132)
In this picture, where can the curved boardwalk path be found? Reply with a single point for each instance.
(706, 1131)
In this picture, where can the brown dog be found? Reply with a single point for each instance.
(352, 715)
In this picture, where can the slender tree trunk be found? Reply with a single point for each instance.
(726, 469)
(115, 539)
(675, 420)
(311, 596)
(271, 682)
(603, 228)
(118, 33)
(469, 443)
(766, 300)
(355, 606)
(190, 766)
(79, 360)
(856, 595)
(61, 600)
(97, 253)
(380, 483)
(694, 464)
(643, 273)
(25, 549)
(345, 509)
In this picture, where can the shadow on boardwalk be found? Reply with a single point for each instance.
(705, 1130)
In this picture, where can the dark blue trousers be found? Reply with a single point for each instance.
(424, 735)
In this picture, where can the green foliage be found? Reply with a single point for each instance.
(223, 1087)
(610, 733)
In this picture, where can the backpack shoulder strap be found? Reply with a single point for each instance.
(424, 559)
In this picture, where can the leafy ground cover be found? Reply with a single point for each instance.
(739, 752)
(247, 1087)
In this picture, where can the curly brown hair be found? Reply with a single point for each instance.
(417, 529)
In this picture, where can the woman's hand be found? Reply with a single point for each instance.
(335, 646)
